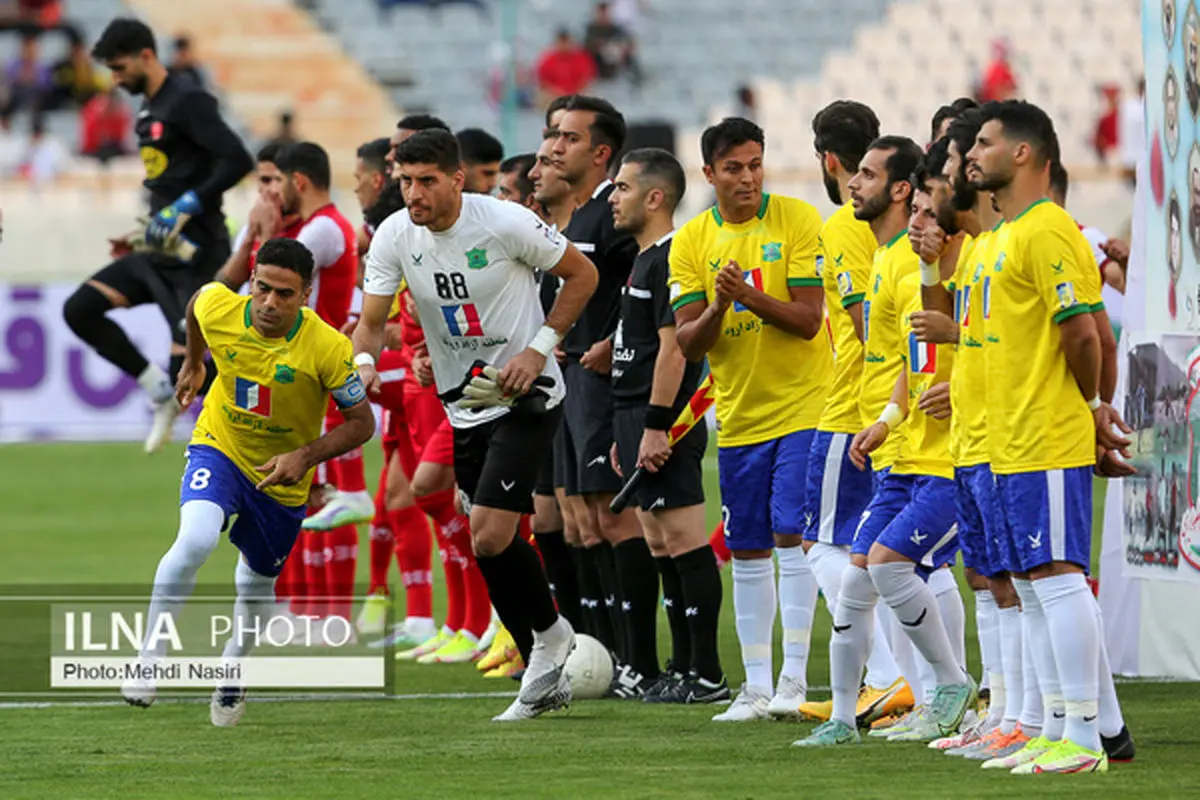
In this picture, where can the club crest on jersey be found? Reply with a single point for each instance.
(1066, 294)
(772, 251)
(252, 397)
(156, 130)
(922, 356)
(462, 320)
(754, 278)
(477, 258)
(285, 373)
(845, 283)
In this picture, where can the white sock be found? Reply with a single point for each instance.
(200, 523)
(882, 670)
(155, 383)
(853, 629)
(1032, 710)
(917, 609)
(902, 651)
(954, 615)
(797, 599)
(1070, 612)
(1009, 620)
(987, 628)
(360, 497)
(255, 598)
(1111, 719)
(828, 563)
(1038, 641)
(754, 614)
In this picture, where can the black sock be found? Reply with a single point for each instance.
(86, 314)
(611, 596)
(702, 589)
(519, 592)
(173, 367)
(561, 573)
(681, 637)
(591, 598)
(639, 595)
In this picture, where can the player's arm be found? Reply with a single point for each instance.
(201, 120)
(872, 437)
(193, 372)
(669, 368)
(800, 315)
(236, 270)
(937, 266)
(698, 322)
(383, 277)
(848, 262)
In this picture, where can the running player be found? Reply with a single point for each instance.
(482, 154)
(191, 157)
(837, 491)
(462, 256)
(256, 445)
(652, 384)
(747, 292)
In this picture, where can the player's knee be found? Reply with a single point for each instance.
(488, 538)
(84, 308)
(977, 582)
(858, 591)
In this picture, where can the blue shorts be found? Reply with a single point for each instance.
(838, 491)
(762, 490)
(878, 476)
(1049, 516)
(265, 529)
(986, 546)
(894, 493)
(924, 531)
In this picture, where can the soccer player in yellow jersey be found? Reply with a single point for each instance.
(906, 533)
(837, 490)
(1045, 418)
(257, 442)
(745, 286)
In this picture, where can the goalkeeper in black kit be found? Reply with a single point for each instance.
(191, 158)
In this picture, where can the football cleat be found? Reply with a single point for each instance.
(629, 684)
(544, 672)
(875, 703)
(967, 737)
(1030, 751)
(692, 689)
(508, 669)
(829, 734)
(344, 508)
(557, 698)
(950, 704)
(748, 705)
(789, 696)
(997, 745)
(227, 706)
(663, 687)
(503, 650)
(1120, 747)
(139, 692)
(372, 619)
(165, 414)
(406, 635)
(426, 647)
(1065, 757)
(459, 649)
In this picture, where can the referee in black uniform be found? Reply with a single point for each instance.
(191, 157)
(652, 383)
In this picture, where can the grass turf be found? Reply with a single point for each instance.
(96, 514)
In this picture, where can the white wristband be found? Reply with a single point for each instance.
(891, 416)
(546, 340)
(364, 360)
(1094, 403)
(930, 274)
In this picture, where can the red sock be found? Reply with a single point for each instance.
(315, 602)
(346, 472)
(478, 606)
(414, 548)
(341, 560)
(440, 506)
(720, 549)
(382, 544)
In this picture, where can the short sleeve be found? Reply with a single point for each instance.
(848, 259)
(384, 272)
(685, 283)
(211, 299)
(324, 239)
(804, 250)
(340, 377)
(530, 241)
(664, 315)
(1058, 275)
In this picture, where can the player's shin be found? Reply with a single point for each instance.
(255, 594)
(561, 571)
(700, 582)
(945, 588)
(987, 627)
(200, 524)
(1012, 666)
(677, 620)
(853, 626)
(639, 603)
(915, 605)
(797, 599)
(754, 603)
(1069, 608)
(1037, 641)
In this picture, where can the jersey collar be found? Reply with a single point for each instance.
(604, 184)
(290, 334)
(1032, 206)
(762, 210)
(664, 239)
(887, 245)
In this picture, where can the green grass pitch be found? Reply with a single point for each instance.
(105, 513)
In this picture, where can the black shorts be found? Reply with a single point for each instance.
(581, 464)
(680, 482)
(496, 464)
(545, 477)
(164, 281)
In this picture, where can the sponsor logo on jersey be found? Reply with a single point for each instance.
(252, 397)
(477, 258)
(155, 161)
(462, 320)
(754, 278)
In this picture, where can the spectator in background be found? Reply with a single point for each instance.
(1107, 135)
(565, 68)
(27, 80)
(1132, 131)
(104, 126)
(610, 46)
(999, 82)
(481, 155)
(628, 14)
(41, 14)
(75, 78)
(285, 134)
(44, 156)
(745, 103)
(185, 61)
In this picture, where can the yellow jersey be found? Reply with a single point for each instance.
(1043, 273)
(883, 346)
(270, 395)
(768, 383)
(968, 424)
(848, 249)
(923, 447)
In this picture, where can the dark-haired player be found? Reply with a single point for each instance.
(256, 445)
(747, 292)
(191, 157)
(482, 154)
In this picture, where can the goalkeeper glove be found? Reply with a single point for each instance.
(169, 220)
(482, 390)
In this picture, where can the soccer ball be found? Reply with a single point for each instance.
(589, 668)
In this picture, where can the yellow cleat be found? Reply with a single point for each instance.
(507, 669)
(459, 649)
(426, 647)
(872, 704)
(1064, 758)
(503, 649)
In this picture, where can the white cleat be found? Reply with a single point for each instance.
(748, 705)
(139, 692)
(544, 673)
(165, 414)
(343, 508)
(558, 698)
(227, 707)
(789, 696)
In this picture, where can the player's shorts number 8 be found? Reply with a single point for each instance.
(200, 479)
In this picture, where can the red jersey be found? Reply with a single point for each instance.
(289, 232)
(331, 239)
